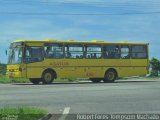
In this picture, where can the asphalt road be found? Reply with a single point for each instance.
(131, 96)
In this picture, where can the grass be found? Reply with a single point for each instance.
(4, 79)
(23, 113)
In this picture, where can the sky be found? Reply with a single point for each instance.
(83, 20)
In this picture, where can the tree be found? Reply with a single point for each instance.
(155, 64)
(2, 68)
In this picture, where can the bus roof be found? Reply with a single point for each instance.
(75, 41)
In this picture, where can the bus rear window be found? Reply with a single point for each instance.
(139, 51)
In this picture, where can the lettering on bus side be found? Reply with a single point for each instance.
(59, 63)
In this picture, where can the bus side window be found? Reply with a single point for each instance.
(53, 51)
(74, 51)
(111, 51)
(48, 52)
(33, 54)
(69, 55)
(93, 51)
(125, 52)
(88, 56)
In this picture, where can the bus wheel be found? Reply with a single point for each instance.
(95, 80)
(110, 76)
(35, 80)
(47, 77)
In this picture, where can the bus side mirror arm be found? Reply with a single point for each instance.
(6, 52)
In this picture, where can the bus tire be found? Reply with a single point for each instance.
(110, 76)
(47, 77)
(35, 81)
(95, 80)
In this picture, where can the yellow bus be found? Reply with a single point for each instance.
(45, 60)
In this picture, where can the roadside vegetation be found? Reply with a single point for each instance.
(23, 113)
(4, 79)
(155, 67)
(2, 69)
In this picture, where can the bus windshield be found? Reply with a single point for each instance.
(15, 55)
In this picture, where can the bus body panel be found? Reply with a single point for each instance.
(34, 70)
(139, 67)
(87, 68)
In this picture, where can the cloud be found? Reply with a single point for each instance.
(38, 29)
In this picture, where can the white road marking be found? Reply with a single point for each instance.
(65, 113)
(66, 110)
